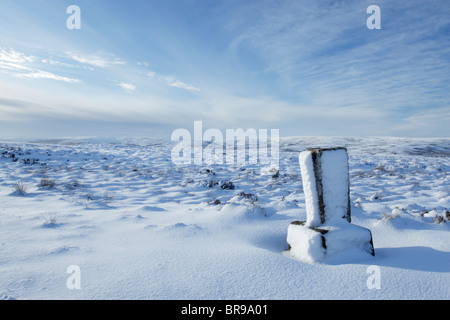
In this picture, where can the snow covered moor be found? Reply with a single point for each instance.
(117, 219)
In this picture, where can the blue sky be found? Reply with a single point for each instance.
(147, 67)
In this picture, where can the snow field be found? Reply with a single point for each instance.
(140, 227)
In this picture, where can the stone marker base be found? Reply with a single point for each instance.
(315, 244)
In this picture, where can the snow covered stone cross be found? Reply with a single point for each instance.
(327, 230)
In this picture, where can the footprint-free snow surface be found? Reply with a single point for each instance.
(117, 219)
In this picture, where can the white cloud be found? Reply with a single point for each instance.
(145, 64)
(14, 56)
(172, 81)
(14, 60)
(21, 65)
(127, 86)
(40, 74)
(96, 60)
(56, 63)
(430, 123)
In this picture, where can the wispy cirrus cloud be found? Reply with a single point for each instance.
(310, 67)
(40, 74)
(172, 81)
(11, 59)
(97, 60)
(321, 53)
(21, 65)
(57, 63)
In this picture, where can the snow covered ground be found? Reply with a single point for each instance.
(140, 227)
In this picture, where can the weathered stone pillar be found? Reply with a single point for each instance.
(327, 229)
